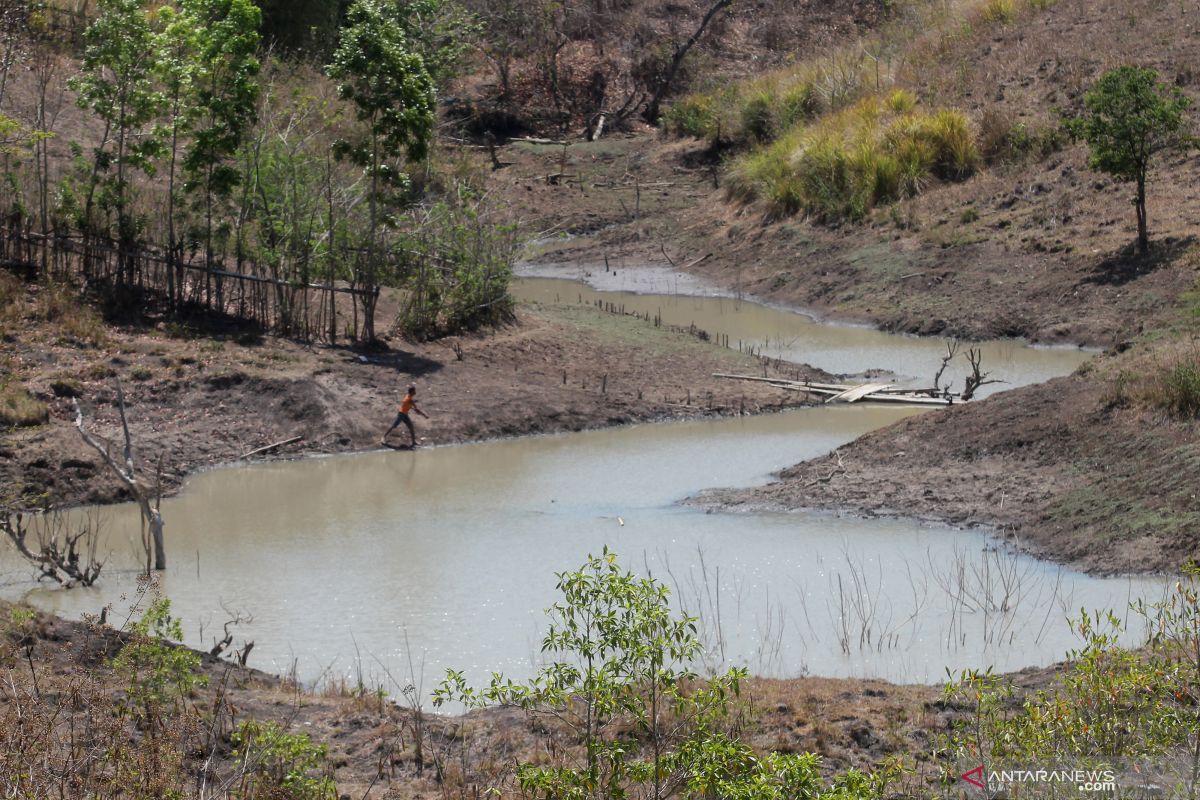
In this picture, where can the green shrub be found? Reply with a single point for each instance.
(798, 103)
(1002, 11)
(968, 216)
(1181, 389)
(278, 764)
(902, 101)
(156, 672)
(694, 115)
(458, 277)
(758, 116)
(18, 408)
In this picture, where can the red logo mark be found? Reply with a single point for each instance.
(977, 774)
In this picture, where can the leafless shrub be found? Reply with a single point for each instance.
(64, 552)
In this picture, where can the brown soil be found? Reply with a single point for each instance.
(198, 401)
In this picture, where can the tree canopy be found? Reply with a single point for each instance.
(1131, 116)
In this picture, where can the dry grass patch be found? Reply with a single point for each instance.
(20, 409)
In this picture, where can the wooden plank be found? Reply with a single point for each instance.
(855, 393)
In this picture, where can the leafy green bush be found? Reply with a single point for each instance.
(455, 269)
(276, 764)
(694, 115)
(156, 672)
(1111, 707)
(619, 688)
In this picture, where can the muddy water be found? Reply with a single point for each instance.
(840, 349)
(353, 564)
(453, 550)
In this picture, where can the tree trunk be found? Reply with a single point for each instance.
(664, 83)
(1140, 203)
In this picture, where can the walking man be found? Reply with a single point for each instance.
(409, 403)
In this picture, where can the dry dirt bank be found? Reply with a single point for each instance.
(198, 401)
(1071, 470)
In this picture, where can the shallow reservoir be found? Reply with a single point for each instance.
(351, 564)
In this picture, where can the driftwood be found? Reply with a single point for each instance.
(272, 446)
(151, 514)
(851, 393)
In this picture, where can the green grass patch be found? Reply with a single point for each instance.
(877, 151)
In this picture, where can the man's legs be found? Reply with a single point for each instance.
(399, 418)
(412, 432)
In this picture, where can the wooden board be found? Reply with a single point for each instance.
(856, 393)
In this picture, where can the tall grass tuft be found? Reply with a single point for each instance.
(18, 408)
(870, 154)
(1181, 388)
(1002, 11)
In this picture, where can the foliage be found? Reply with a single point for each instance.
(627, 716)
(117, 84)
(456, 264)
(1112, 707)
(693, 115)
(224, 86)
(274, 763)
(1130, 117)
(1181, 388)
(156, 672)
(391, 90)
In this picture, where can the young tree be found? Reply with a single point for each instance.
(176, 47)
(380, 73)
(1130, 118)
(225, 86)
(117, 84)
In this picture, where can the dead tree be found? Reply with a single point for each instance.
(65, 558)
(234, 618)
(976, 378)
(667, 78)
(152, 521)
(951, 352)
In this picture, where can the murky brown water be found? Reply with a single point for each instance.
(841, 349)
(456, 548)
(342, 561)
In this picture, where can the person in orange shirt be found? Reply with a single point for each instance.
(409, 403)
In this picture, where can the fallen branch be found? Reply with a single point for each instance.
(272, 446)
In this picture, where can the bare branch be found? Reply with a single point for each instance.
(151, 516)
